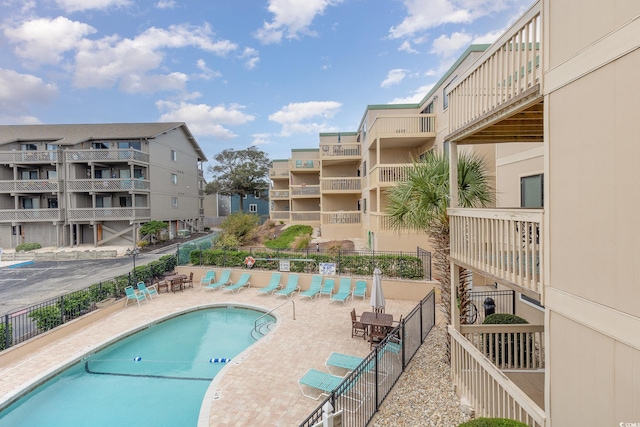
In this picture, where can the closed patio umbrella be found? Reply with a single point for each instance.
(377, 297)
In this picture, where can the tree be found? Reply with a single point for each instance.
(421, 201)
(239, 172)
(153, 228)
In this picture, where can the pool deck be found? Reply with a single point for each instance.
(259, 387)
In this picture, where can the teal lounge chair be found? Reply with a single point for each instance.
(360, 290)
(274, 284)
(327, 288)
(342, 361)
(209, 277)
(319, 380)
(344, 291)
(131, 295)
(241, 283)
(290, 288)
(148, 291)
(223, 281)
(314, 287)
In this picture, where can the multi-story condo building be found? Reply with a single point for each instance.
(64, 185)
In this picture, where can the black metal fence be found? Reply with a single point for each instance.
(362, 392)
(503, 301)
(405, 265)
(20, 325)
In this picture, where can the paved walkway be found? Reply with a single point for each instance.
(262, 389)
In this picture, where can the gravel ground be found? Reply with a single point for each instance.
(423, 396)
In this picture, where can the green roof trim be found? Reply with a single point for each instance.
(305, 149)
(391, 106)
(280, 160)
(338, 133)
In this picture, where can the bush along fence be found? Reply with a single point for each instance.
(29, 322)
(405, 265)
(359, 396)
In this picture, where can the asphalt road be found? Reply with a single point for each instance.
(24, 286)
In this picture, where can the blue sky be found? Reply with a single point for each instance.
(271, 73)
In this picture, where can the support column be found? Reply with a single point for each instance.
(453, 174)
(455, 282)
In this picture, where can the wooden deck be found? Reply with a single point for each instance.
(532, 383)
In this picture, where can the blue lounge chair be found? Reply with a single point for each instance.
(314, 287)
(291, 287)
(274, 284)
(319, 380)
(344, 291)
(223, 281)
(131, 295)
(342, 361)
(148, 291)
(241, 283)
(209, 277)
(327, 288)
(360, 290)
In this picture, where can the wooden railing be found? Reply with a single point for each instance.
(508, 69)
(341, 218)
(508, 346)
(489, 390)
(30, 186)
(385, 175)
(304, 165)
(312, 216)
(279, 173)
(123, 155)
(279, 194)
(108, 213)
(280, 215)
(126, 184)
(507, 244)
(340, 184)
(27, 156)
(305, 190)
(414, 125)
(336, 151)
(31, 215)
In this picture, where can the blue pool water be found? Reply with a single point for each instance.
(156, 377)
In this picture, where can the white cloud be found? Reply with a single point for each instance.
(78, 5)
(207, 73)
(448, 46)
(252, 57)
(416, 97)
(205, 120)
(489, 37)
(166, 4)
(295, 117)
(406, 47)
(44, 40)
(261, 139)
(291, 18)
(394, 77)
(18, 91)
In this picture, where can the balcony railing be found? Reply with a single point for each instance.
(305, 216)
(26, 156)
(341, 218)
(279, 194)
(98, 185)
(31, 215)
(279, 173)
(506, 244)
(108, 213)
(409, 126)
(305, 190)
(304, 165)
(387, 175)
(123, 155)
(30, 186)
(489, 390)
(508, 69)
(340, 151)
(341, 184)
(280, 215)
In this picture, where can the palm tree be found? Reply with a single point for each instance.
(421, 201)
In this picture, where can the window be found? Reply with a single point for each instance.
(123, 145)
(51, 174)
(137, 173)
(52, 203)
(253, 208)
(364, 168)
(100, 145)
(99, 202)
(244, 196)
(429, 109)
(174, 179)
(531, 191)
(29, 175)
(445, 94)
(174, 202)
(28, 147)
(364, 205)
(174, 156)
(27, 203)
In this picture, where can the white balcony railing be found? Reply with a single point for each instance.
(279, 194)
(414, 125)
(385, 175)
(123, 155)
(341, 184)
(27, 156)
(30, 186)
(489, 390)
(305, 190)
(304, 165)
(126, 184)
(280, 215)
(340, 151)
(507, 244)
(279, 173)
(108, 213)
(312, 216)
(341, 218)
(31, 215)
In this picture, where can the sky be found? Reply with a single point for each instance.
(269, 73)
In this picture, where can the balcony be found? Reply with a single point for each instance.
(304, 165)
(503, 244)
(403, 131)
(109, 214)
(30, 186)
(280, 215)
(279, 194)
(29, 157)
(341, 185)
(31, 215)
(341, 218)
(117, 156)
(279, 173)
(104, 185)
(301, 191)
(340, 151)
(387, 175)
(309, 216)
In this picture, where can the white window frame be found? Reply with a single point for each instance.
(174, 179)
(174, 156)
(253, 208)
(174, 202)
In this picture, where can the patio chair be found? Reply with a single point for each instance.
(208, 278)
(342, 361)
(377, 332)
(160, 284)
(241, 283)
(357, 327)
(189, 281)
(344, 291)
(148, 291)
(360, 290)
(319, 380)
(327, 287)
(274, 284)
(314, 287)
(223, 281)
(290, 288)
(177, 284)
(131, 295)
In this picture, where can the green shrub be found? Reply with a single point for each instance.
(508, 348)
(301, 242)
(47, 317)
(492, 422)
(25, 247)
(3, 336)
(287, 237)
(76, 304)
(227, 241)
(240, 225)
(504, 319)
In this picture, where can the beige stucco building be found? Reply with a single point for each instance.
(65, 185)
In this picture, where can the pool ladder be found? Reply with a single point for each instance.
(261, 329)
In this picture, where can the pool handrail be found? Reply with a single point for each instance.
(255, 323)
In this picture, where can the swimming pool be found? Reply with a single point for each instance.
(155, 377)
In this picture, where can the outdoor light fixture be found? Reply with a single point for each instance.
(133, 253)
